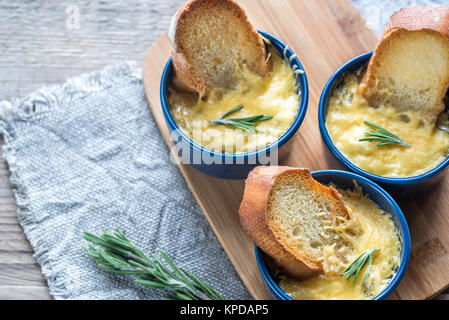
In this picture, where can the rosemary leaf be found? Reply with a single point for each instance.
(236, 109)
(383, 136)
(114, 252)
(247, 124)
(357, 265)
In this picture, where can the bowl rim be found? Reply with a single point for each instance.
(302, 110)
(406, 242)
(327, 92)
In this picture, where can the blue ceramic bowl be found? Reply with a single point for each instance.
(345, 180)
(401, 187)
(225, 165)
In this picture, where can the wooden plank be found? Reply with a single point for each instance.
(21, 274)
(324, 34)
(24, 293)
(14, 245)
(38, 48)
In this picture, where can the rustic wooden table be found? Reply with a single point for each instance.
(41, 44)
(44, 43)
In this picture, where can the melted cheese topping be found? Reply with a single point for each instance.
(275, 95)
(345, 119)
(376, 229)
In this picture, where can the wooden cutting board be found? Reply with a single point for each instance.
(324, 34)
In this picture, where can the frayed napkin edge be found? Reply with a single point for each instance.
(26, 109)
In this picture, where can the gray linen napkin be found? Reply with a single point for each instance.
(88, 155)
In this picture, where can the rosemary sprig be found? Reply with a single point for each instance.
(247, 124)
(114, 252)
(383, 136)
(355, 267)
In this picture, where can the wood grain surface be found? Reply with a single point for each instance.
(37, 49)
(324, 34)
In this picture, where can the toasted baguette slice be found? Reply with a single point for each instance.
(410, 66)
(286, 213)
(211, 39)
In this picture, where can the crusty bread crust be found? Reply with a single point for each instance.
(431, 20)
(254, 220)
(185, 78)
(419, 18)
